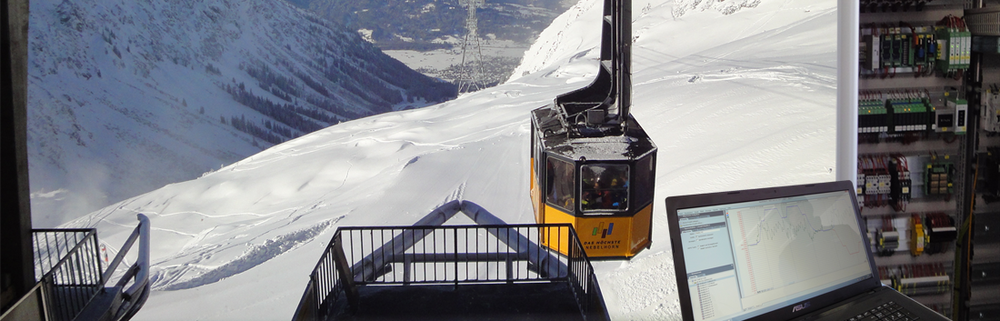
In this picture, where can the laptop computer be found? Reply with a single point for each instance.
(782, 253)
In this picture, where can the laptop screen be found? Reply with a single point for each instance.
(746, 259)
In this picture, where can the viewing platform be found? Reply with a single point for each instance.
(430, 271)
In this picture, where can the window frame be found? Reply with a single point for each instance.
(547, 188)
(605, 211)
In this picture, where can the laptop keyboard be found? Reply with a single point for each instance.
(889, 311)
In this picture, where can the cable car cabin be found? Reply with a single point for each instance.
(603, 186)
(592, 164)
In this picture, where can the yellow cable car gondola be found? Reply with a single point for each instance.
(593, 166)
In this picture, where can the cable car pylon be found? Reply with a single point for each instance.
(472, 71)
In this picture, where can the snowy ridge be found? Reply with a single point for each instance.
(748, 102)
(129, 96)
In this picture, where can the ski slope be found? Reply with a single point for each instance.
(733, 101)
(127, 96)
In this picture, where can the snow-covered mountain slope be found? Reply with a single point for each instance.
(422, 24)
(733, 101)
(127, 96)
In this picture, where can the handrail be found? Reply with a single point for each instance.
(583, 282)
(135, 296)
(142, 277)
(120, 256)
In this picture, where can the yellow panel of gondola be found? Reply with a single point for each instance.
(536, 195)
(558, 240)
(605, 236)
(640, 230)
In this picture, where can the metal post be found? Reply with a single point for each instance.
(16, 252)
(848, 13)
(510, 269)
(346, 279)
(406, 269)
(142, 276)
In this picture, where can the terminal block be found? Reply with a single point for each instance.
(919, 279)
(872, 116)
(911, 114)
(905, 111)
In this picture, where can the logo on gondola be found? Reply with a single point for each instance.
(604, 231)
(602, 244)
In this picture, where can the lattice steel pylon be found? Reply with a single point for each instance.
(473, 73)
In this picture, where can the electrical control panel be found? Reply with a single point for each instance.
(914, 118)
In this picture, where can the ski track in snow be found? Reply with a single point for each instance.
(255, 256)
(726, 110)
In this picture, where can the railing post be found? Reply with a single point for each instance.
(406, 269)
(97, 255)
(346, 277)
(510, 269)
(454, 234)
(312, 291)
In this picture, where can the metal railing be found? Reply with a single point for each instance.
(583, 281)
(131, 299)
(325, 284)
(453, 254)
(468, 254)
(67, 262)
